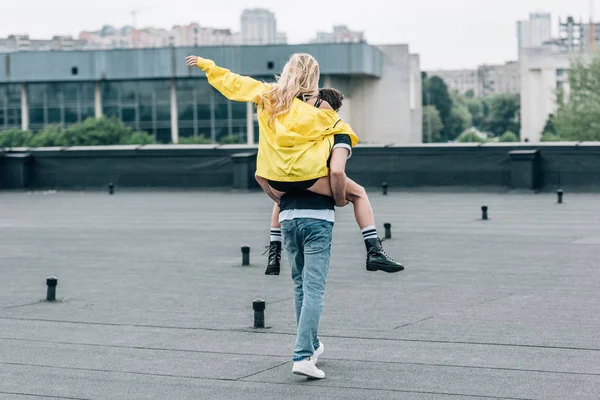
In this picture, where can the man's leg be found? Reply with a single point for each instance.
(274, 248)
(293, 246)
(316, 235)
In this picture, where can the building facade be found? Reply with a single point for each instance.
(483, 81)
(544, 71)
(535, 31)
(461, 80)
(259, 27)
(15, 43)
(153, 90)
(340, 34)
(499, 79)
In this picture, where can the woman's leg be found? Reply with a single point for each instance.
(377, 260)
(274, 248)
(363, 212)
(264, 184)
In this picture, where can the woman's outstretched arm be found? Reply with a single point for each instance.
(233, 86)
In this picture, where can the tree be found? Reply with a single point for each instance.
(578, 118)
(476, 109)
(432, 125)
(549, 127)
(460, 117)
(503, 114)
(435, 93)
(509, 137)
(472, 136)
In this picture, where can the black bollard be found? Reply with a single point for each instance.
(388, 230)
(384, 188)
(51, 282)
(559, 194)
(484, 215)
(258, 306)
(111, 188)
(245, 255)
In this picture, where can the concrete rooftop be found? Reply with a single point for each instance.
(154, 304)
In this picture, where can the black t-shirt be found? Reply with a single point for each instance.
(305, 200)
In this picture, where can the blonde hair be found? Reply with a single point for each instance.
(300, 77)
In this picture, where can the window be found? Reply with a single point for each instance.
(62, 104)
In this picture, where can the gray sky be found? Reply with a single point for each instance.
(446, 33)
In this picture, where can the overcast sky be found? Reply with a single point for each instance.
(446, 33)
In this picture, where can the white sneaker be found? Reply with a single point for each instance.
(318, 352)
(307, 368)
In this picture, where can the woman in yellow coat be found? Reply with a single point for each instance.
(297, 132)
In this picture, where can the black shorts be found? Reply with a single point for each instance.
(292, 186)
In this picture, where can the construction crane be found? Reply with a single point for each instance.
(134, 12)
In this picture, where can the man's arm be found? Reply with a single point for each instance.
(233, 86)
(337, 175)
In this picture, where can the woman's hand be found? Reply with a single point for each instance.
(191, 61)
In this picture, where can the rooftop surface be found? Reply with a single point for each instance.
(153, 302)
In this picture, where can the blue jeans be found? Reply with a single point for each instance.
(307, 242)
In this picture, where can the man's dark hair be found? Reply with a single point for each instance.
(333, 96)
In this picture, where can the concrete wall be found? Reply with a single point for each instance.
(538, 88)
(571, 166)
(380, 107)
(416, 100)
(58, 66)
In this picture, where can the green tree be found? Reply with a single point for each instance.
(509, 137)
(578, 117)
(503, 114)
(460, 118)
(432, 125)
(15, 138)
(550, 137)
(549, 127)
(435, 93)
(471, 136)
(476, 108)
(230, 140)
(194, 140)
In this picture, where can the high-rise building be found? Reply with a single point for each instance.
(544, 72)
(499, 79)
(578, 36)
(259, 26)
(461, 80)
(535, 31)
(340, 34)
(483, 81)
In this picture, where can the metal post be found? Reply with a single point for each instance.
(484, 215)
(51, 282)
(388, 230)
(258, 306)
(245, 255)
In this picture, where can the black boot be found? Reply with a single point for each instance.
(274, 262)
(377, 260)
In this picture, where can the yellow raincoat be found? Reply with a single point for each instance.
(297, 145)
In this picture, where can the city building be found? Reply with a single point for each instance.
(499, 79)
(179, 36)
(535, 31)
(259, 27)
(483, 81)
(153, 90)
(340, 34)
(461, 80)
(544, 71)
(25, 43)
(578, 36)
